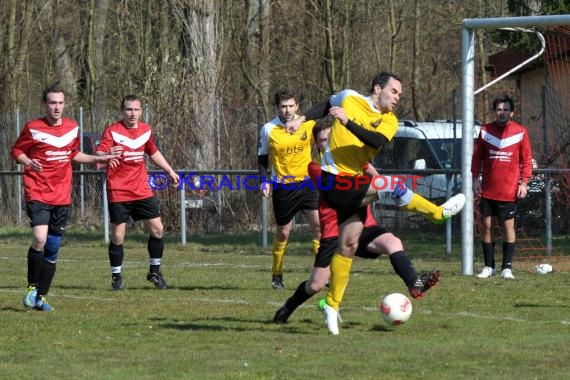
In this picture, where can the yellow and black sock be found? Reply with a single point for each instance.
(278, 253)
(340, 273)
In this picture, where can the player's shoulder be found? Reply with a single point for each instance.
(271, 124)
(516, 127)
(346, 95)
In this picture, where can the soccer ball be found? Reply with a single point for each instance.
(396, 308)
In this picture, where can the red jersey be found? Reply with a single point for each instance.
(129, 181)
(505, 156)
(54, 146)
(327, 215)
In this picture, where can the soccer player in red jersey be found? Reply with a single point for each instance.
(502, 158)
(46, 147)
(128, 191)
(373, 242)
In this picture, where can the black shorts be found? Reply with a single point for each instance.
(501, 209)
(345, 195)
(328, 247)
(42, 214)
(141, 209)
(289, 199)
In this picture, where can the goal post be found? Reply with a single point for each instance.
(469, 26)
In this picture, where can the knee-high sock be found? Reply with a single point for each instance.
(489, 254)
(423, 206)
(278, 253)
(116, 255)
(34, 266)
(47, 273)
(403, 267)
(508, 254)
(315, 244)
(298, 298)
(155, 248)
(340, 273)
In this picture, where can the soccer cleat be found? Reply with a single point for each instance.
(424, 283)
(331, 316)
(157, 280)
(277, 282)
(282, 315)
(30, 297)
(42, 305)
(507, 273)
(117, 283)
(486, 272)
(453, 206)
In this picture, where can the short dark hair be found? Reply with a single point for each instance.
(382, 79)
(320, 126)
(130, 98)
(285, 94)
(53, 88)
(503, 99)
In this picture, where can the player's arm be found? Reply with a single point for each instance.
(374, 139)
(99, 157)
(318, 111)
(33, 164)
(263, 167)
(158, 159)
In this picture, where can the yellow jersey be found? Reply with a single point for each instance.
(344, 152)
(289, 154)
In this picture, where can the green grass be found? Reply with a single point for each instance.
(215, 320)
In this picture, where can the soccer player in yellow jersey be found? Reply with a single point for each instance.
(291, 188)
(362, 125)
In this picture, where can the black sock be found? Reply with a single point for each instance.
(155, 248)
(508, 254)
(489, 254)
(46, 277)
(298, 298)
(34, 266)
(404, 267)
(116, 256)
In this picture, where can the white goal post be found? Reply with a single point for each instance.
(468, 82)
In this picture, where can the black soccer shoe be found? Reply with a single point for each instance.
(282, 315)
(157, 280)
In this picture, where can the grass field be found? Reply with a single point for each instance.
(215, 320)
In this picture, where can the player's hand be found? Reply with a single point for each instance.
(35, 165)
(476, 187)
(116, 150)
(113, 163)
(175, 178)
(338, 113)
(522, 191)
(293, 125)
(265, 189)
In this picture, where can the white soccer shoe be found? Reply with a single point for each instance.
(331, 317)
(453, 206)
(486, 272)
(507, 273)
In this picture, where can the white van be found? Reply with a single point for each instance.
(425, 145)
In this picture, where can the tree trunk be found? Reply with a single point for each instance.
(94, 58)
(63, 65)
(416, 75)
(202, 41)
(17, 55)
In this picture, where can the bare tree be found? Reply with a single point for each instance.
(18, 37)
(96, 91)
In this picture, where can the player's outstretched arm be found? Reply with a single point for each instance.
(158, 159)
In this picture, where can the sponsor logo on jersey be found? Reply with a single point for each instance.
(375, 124)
